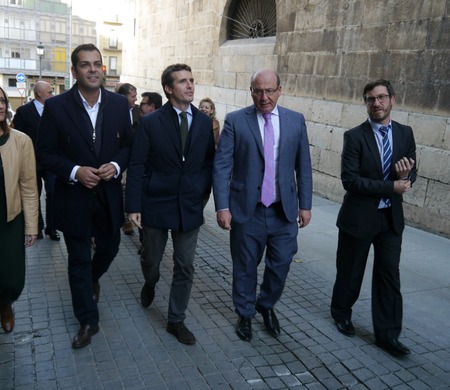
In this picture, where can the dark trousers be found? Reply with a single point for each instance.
(352, 252)
(269, 230)
(184, 245)
(85, 269)
(49, 185)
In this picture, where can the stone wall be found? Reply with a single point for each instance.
(325, 52)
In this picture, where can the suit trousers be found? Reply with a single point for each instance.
(184, 246)
(352, 253)
(267, 230)
(85, 269)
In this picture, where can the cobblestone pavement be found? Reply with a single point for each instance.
(134, 351)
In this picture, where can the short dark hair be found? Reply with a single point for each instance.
(166, 77)
(126, 88)
(4, 125)
(153, 98)
(83, 47)
(380, 82)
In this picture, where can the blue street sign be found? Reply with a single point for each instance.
(20, 77)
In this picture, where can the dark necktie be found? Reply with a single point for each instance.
(268, 185)
(183, 129)
(386, 157)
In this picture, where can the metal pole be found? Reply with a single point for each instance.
(40, 67)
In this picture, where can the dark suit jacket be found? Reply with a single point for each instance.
(167, 191)
(362, 178)
(65, 140)
(27, 120)
(239, 164)
(136, 115)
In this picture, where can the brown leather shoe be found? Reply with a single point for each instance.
(96, 288)
(7, 318)
(127, 228)
(84, 335)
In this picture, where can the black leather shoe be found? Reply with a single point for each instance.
(270, 320)
(181, 332)
(244, 328)
(40, 236)
(393, 346)
(147, 295)
(52, 234)
(84, 335)
(345, 327)
(96, 288)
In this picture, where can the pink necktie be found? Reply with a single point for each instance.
(268, 185)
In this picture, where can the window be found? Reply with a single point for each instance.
(15, 53)
(113, 66)
(113, 40)
(252, 19)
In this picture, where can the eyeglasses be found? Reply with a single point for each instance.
(371, 99)
(260, 92)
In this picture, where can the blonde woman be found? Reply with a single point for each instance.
(208, 107)
(18, 211)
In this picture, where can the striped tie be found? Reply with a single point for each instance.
(268, 185)
(387, 157)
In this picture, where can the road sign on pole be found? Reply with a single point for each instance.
(21, 91)
(20, 77)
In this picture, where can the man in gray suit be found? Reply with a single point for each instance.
(262, 187)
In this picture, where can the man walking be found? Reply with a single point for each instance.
(262, 188)
(84, 138)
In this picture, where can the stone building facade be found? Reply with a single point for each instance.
(325, 52)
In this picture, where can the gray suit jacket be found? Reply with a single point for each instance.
(239, 164)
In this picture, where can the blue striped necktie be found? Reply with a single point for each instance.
(386, 157)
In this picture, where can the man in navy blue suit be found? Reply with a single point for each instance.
(262, 188)
(168, 178)
(84, 138)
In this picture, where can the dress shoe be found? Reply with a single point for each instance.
(7, 318)
(84, 335)
(181, 332)
(147, 295)
(96, 289)
(393, 346)
(40, 236)
(345, 327)
(52, 234)
(244, 328)
(127, 228)
(270, 320)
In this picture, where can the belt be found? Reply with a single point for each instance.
(275, 204)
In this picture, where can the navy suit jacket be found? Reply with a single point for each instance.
(65, 140)
(239, 164)
(167, 191)
(362, 177)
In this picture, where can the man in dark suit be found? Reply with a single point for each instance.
(27, 120)
(262, 189)
(84, 138)
(168, 177)
(378, 166)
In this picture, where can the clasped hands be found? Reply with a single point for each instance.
(90, 177)
(402, 169)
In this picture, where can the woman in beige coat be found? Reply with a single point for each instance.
(18, 211)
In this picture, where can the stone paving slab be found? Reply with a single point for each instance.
(134, 351)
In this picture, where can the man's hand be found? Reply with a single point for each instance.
(403, 167)
(304, 216)
(135, 219)
(224, 219)
(401, 186)
(88, 176)
(107, 172)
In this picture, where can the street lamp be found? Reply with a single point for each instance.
(40, 53)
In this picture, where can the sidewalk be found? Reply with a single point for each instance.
(134, 351)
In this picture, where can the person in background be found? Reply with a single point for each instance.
(27, 119)
(169, 175)
(263, 193)
(130, 92)
(150, 102)
(377, 168)
(84, 138)
(18, 211)
(209, 108)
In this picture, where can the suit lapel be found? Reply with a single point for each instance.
(372, 145)
(252, 121)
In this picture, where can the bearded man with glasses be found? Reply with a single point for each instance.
(377, 168)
